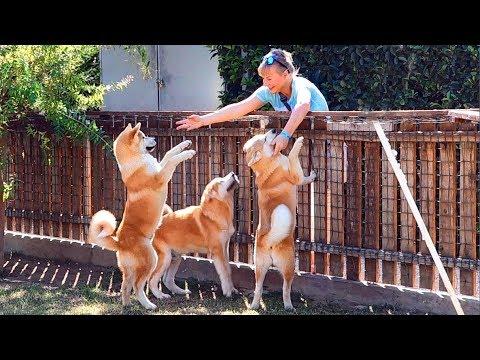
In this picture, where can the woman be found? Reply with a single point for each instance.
(282, 88)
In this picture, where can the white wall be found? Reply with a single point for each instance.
(140, 94)
(191, 79)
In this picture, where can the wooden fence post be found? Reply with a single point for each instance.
(2, 204)
(2, 223)
(402, 180)
(87, 195)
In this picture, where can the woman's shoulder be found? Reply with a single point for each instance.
(262, 89)
(263, 93)
(302, 81)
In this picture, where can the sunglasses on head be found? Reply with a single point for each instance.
(271, 59)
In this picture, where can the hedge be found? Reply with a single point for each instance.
(365, 77)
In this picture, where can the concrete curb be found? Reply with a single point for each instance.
(319, 287)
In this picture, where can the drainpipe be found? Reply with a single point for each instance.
(157, 80)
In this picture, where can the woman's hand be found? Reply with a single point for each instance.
(280, 142)
(191, 122)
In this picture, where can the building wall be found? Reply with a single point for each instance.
(183, 78)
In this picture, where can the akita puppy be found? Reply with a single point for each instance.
(277, 178)
(204, 228)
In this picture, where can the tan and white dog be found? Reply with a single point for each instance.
(277, 178)
(205, 228)
(146, 181)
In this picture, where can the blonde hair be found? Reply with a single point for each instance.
(283, 59)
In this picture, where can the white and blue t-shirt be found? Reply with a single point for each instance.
(301, 88)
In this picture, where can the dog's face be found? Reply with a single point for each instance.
(259, 147)
(133, 141)
(221, 188)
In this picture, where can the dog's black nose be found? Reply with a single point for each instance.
(274, 131)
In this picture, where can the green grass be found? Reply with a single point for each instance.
(26, 298)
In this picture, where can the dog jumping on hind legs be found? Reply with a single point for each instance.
(277, 178)
(146, 181)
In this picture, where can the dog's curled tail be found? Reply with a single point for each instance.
(102, 227)
(281, 225)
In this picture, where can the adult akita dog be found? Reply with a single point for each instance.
(277, 178)
(204, 228)
(146, 181)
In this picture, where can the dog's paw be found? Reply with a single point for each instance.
(185, 144)
(254, 306)
(164, 296)
(289, 307)
(297, 145)
(161, 295)
(230, 292)
(299, 142)
(150, 306)
(188, 154)
(227, 293)
(180, 291)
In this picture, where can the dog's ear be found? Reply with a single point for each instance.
(206, 196)
(211, 192)
(129, 126)
(256, 157)
(135, 130)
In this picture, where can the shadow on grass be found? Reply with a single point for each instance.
(42, 287)
(24, 298)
